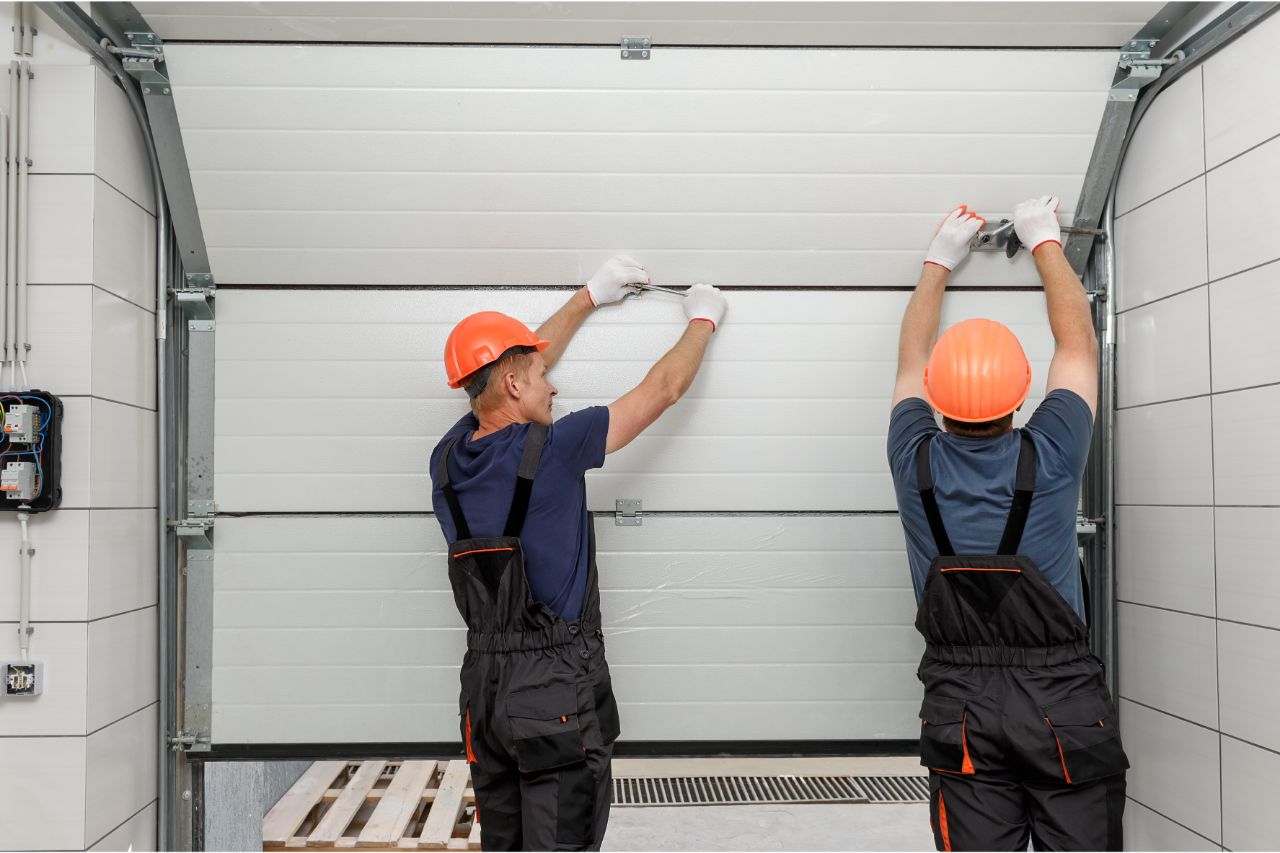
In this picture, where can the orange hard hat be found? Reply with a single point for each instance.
(482, 339)
(977, 372)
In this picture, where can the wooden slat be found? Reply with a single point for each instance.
(448, 805)
(288, 814)
(473, 840)
(398, 802)
(334, 824)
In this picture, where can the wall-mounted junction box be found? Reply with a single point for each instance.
(30, 451)
(24, 678)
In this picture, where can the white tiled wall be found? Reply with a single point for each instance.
(79, 761)
(1198, 469)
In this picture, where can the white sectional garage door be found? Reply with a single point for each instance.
(358, 201)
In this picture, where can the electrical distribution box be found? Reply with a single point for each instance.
(30, 451)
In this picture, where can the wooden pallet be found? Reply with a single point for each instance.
(376, 805)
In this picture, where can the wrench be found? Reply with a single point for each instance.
(640, 287)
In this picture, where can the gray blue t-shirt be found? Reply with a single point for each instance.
(973, 484)
(556, 535)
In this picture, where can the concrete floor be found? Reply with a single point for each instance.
(777, 827)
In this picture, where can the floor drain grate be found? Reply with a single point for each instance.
(759, 790)
(894, 789)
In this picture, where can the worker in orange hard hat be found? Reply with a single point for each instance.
(1017, 725)
(537, 711)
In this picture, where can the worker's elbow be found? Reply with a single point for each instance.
(671, 394)
(1080, 346)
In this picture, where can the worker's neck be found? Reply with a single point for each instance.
(497, 419)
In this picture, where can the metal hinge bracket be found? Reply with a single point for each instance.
(1087, 528)
(188, 742)
(196, 299)
(1135, 58)
(627, 512)
(143, 60)
(635, 47)
(195, 529)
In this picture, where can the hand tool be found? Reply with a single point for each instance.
(640, 287)
(1002, 236)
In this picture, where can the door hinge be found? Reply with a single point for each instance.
(627, 513)
(635, 47)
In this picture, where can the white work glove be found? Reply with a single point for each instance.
(704, 302)
(1036, 222)
(609, 284)
(950, 243)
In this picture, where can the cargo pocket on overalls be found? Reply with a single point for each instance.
(1086, 737)
(606, 710)
(544, 726)
(943, 745)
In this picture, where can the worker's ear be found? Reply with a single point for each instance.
(511, 384)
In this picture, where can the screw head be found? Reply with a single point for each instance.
(186, 795)
(626, 53)
(166, 91)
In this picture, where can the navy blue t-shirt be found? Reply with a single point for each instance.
(973, 483)
(557, 528)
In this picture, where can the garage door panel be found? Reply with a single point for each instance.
(319, 720)
(344, 645)
(354, 613)
(869, 192)
(729, 70)
(321, 169)
(793, 720)
(338, 645)
(226, 151)
(764, 644)
(290, 438)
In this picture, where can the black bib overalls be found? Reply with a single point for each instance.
(1017, 725)
(537, 709)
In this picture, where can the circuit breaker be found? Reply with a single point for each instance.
(18, 481)
(21, 423)
(30, 451)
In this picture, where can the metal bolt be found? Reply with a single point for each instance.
(186, 795)
(146, 91)
(166, 91)
(645, 54)
(625, 54)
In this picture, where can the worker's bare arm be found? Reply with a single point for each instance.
(665, 383)
(1075, 355)
(920, 321)
(609, 284)
(559, 328)
(671, 376)
(919, 332)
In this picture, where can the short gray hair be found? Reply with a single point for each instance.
(478, 381)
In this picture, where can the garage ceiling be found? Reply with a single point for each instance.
(898, 24)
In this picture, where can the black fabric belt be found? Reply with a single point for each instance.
(525, 641)
(1007, 655)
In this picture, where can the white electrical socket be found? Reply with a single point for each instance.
(21, 678)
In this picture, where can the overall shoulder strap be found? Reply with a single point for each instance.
(450, 496)
(1024, 488)
(924, 482)
(533, 444)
